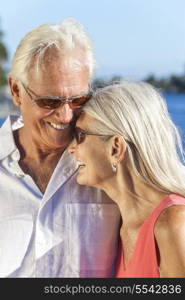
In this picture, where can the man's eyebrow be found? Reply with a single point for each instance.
(78, 95)
(61, 97)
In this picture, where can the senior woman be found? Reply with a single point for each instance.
(127, 145)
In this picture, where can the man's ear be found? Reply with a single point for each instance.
(15, 91)
(118, 148)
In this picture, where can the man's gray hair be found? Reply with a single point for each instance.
(138, 112)
(64, 40)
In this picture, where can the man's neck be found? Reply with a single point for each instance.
(30, 149)
(35, 161)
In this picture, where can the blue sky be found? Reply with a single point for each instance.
(132, 38)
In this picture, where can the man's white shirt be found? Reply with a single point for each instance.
(69, 231)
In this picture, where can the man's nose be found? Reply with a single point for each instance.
(64, 113)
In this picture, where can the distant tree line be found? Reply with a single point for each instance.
(3, 59)
(172, 84)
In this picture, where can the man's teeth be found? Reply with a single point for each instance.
(57, 126)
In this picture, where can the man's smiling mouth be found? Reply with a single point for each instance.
(58, 126)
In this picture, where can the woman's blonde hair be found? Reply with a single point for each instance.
(137, 111)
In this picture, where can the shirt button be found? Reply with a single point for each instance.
(18, 175)
(16, 155)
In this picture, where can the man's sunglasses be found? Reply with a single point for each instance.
(80, 135)
(53, 102)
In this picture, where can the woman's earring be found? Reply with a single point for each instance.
(114, 168)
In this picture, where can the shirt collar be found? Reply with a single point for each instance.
(6, 135)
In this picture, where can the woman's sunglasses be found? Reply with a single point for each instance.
(80, 135)
(53, 102)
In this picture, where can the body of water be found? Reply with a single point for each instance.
(176, 108)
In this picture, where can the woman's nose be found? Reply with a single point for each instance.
(72, 147)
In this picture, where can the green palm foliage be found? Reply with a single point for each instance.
(3, 59)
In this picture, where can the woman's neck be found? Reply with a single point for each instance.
(136, 199)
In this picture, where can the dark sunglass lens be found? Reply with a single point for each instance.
(79, 136)
(80, 101)
(48, 103)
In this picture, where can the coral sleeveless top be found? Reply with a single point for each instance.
(143, 262)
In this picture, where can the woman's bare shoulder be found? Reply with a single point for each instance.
(170, 237)
(171, 220)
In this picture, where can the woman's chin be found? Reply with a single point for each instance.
(80, 180)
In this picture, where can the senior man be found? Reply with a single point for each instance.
(50, 225)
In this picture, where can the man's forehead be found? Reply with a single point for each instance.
(60, 71)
